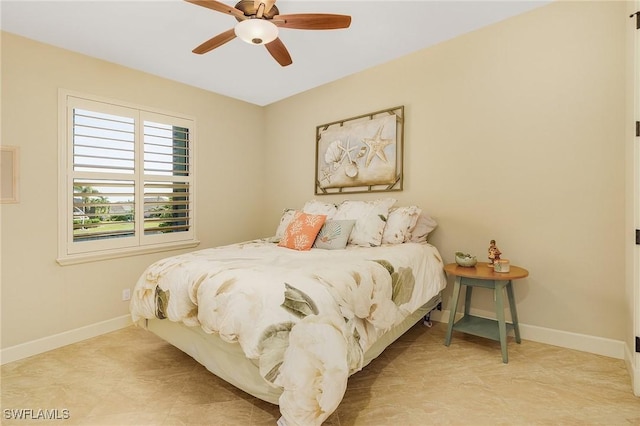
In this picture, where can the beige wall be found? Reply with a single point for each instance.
(41, 298)
(513, 132)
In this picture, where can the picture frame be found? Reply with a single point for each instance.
(9, 161)
(361, 154)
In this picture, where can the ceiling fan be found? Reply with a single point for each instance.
(258, 23)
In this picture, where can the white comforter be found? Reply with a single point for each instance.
(305, 317)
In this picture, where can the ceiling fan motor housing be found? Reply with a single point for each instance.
(249, 9)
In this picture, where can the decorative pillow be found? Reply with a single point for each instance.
(423, 228)
(334, 234)
(401, 222)
(302, 231)
(370, 217)
(287, 215)
(318, 207)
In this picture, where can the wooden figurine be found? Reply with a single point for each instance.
(494, 252)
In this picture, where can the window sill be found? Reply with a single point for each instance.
(115, 254)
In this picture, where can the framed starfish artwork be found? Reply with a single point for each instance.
(360, 154)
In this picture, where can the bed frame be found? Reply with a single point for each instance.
(227, 360)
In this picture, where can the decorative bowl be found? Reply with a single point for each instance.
(464, 259)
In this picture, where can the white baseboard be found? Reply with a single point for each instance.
(565, 339)
(582, 342)
(35, 347)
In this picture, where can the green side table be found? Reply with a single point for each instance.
(483, 275)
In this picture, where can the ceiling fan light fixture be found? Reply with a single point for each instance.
(256, 31)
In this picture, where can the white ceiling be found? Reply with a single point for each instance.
(157, 37)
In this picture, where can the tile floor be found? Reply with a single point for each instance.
(130, 377)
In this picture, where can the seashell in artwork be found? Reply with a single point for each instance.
(334, 153)
(351, 170)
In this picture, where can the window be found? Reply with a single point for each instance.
(126, 180)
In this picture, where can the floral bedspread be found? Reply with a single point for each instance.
(305, 317)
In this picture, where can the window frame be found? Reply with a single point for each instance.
(72, 252)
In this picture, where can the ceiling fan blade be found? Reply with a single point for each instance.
(219, 7)
(279, 52)
(312, 21)
(216, 41)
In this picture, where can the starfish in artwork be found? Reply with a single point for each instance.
(326, 175)
(347, 151)
(376, 146)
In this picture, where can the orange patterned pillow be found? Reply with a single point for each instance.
(302, 230)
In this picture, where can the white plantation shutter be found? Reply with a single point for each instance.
(128, 178)
(103, 175)
(167, 178)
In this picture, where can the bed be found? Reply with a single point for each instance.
(289, 326)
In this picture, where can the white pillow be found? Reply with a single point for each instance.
(318, 207)
(423, 227)
(400, 223)
(370, 217)
(287, 216)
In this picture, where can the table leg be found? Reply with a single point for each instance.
(514, 313)
(453, 308)
(467, 300)
(502, 326)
